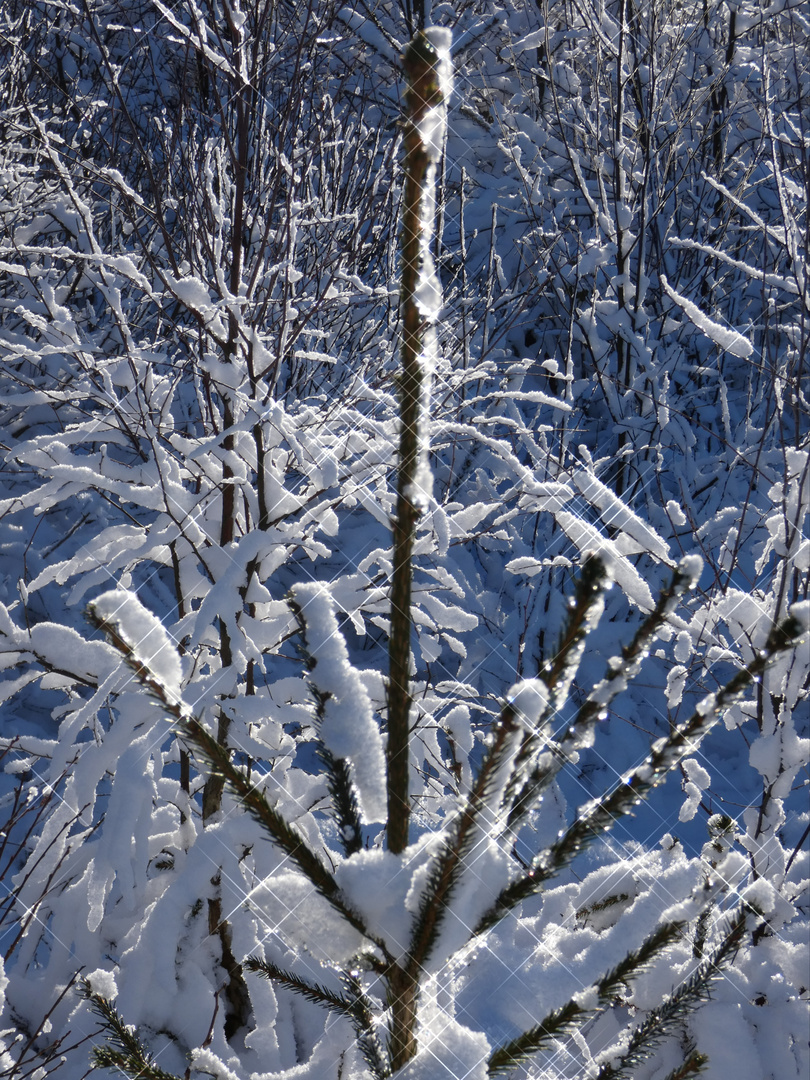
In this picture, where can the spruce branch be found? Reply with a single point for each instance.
(639, 959)
(600, 815)
(693, 1065)
(448, 866)
(584, 611)
(345, 811)
(572, 1015)
(124, 1051)
(285, 835)
(217, 758)
(365, 1028)
(354, 1005)
(560, 1022)
(313, 992)
(591, 584)
(614, 682)
(664, 1020)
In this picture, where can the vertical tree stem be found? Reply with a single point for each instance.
(423, 92)
(426, 76)
(399, 689)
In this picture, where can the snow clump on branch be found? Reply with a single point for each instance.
(146, 639)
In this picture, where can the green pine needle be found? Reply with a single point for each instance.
(124, 1051)
(693, 1065)
(345, 809)
(363, 1019)
(449, 866)
(285, 835)
(320, 995)
(590, 588)
(615, 677)
(571, 1016)
(596, 819)
(668, 1017)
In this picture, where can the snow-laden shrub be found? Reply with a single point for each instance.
(198, 404)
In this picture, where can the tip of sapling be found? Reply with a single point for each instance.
(429, 71)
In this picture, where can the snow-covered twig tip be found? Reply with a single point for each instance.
(142, 638)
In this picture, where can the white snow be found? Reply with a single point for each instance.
(457, 725)
(377, 884)
(529, 699)
(724, 1036)
(723, 336)
(144, 634)
(103, 983)
(349, 729)
(207, 1062)
(683, 646)
(696, 772)
(616, 515)
(691, 566)
(113, 472)
(698, 780)
(676, 514)
(588, 539)
(801, 613)
(447, 1049)
(676, 681)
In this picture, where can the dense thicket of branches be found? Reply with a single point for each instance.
(199, 342)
